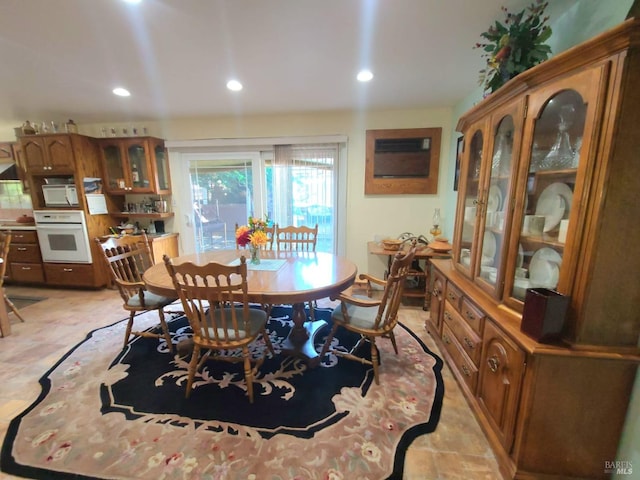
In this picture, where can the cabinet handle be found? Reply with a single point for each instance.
(469, 315)
(466, 371)
(493, 363)
(451, 296)
(436, 292)
(22, 249)
(469, 343)
(447, 315)
(67, 269)
(25, 268)
(478, 202)
(446, 339)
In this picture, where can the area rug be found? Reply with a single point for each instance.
(108, 413)
(22, 301)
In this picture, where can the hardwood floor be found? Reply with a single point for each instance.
(456, 450)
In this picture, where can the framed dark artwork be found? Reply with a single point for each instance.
(459, 150)
(402, 161)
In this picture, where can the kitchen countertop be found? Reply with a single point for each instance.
(13, 225)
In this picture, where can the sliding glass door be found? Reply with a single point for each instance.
(294, 185)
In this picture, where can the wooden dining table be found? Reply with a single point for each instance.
(282, 277)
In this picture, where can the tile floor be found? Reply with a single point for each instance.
(456, 450)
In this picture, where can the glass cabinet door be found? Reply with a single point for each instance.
(162, 169)
(548, 221)
(495, 200)
(139, 167)
(113, 166)
(470, 186)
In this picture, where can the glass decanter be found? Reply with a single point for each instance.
(502, 153)
(561, 153)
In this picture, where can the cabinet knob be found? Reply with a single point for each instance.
(465, 370)
(493, 363)
(469, 343)
(446, 339)
(470, 315)
(436, 292)
(447, 315)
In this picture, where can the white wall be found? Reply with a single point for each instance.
(367, 215)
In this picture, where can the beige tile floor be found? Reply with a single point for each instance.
(457, 450)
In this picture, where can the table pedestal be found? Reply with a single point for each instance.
(301, 339)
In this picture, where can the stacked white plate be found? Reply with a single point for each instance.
(544, 269)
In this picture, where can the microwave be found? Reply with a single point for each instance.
(60, 195)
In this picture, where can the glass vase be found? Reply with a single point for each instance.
(255, 255)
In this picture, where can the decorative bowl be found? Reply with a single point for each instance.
(391, 244)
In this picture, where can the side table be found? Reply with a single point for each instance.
(421, 273)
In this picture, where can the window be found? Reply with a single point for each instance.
(293, 184)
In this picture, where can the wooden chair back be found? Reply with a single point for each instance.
(387, 316)
(127, 258)
(214, 298)
(5, 243)
(301, 238)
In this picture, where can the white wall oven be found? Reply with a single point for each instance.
(63, 236)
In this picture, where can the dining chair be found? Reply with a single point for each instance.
(214, 298)
(271, 234)
(371, 318)
(300, 238)
(5, 244)
(127, 258)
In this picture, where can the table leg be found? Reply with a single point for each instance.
(301, 339)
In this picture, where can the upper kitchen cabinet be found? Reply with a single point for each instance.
(135, 165)
(48, 154)
(549, 180)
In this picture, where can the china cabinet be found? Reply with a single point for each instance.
(548, 200)
(135, 165)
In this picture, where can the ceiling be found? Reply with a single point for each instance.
(62, 58)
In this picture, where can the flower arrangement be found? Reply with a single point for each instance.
(515, 45)
(253, 234)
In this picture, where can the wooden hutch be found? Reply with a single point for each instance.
(548, 199)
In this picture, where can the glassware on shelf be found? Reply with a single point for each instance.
(576, 152)
(502, 154)
(561, 153)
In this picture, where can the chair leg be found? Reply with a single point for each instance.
(267, 341)
(374, 359)
(127, 334)
(327, 342)
(13, 307)
(192, 369)
(392, 337)
(248, 373)
(165, 330)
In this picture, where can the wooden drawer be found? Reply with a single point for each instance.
(27, 272)
(24, 236)
(453, 295)
(470, 342)
(24, 252)
(69, 274)
(465, 367)
(472, 315)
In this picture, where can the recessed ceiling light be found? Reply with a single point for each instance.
(234, 85)
(364, 76)
(121, 92)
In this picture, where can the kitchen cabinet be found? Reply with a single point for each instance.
(48, 154)
(24, 259)
(135, 165)
(547, 199)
